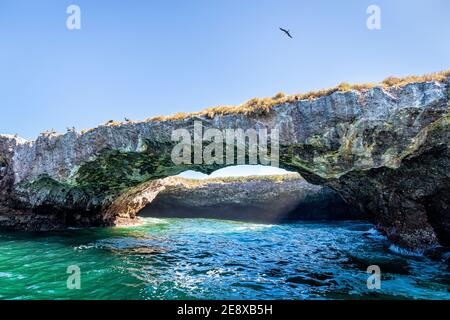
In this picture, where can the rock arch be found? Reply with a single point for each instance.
(383, 149)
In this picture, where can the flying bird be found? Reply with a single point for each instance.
(287, 32)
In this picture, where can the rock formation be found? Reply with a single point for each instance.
(244, 199)
(384, 149)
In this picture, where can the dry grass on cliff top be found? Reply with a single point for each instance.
(260, 106)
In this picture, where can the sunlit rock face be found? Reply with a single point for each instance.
(384, 150)
(266, 199)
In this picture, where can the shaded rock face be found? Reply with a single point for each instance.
(384, 150)
(250, 199)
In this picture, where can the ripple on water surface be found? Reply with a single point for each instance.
(214, 259)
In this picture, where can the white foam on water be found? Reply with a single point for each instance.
(405, 252)
(148, 220)
(83, 247)
(254, 227)
(5, 275)
(374, 234)
(373, 231)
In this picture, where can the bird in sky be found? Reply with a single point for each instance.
(287, 32)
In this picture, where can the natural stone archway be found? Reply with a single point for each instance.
(249, 198)
(383, 149)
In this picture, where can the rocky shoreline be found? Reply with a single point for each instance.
(384, 149)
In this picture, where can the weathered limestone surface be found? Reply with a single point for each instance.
(246, 198)
(384, 150)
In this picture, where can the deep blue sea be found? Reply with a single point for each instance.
(215, 259)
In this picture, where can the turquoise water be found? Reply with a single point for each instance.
(213, 259)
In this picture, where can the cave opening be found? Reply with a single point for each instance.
(253, 193)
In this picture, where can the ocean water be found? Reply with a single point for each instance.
(214, 259)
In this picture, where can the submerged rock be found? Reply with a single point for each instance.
(383, 149)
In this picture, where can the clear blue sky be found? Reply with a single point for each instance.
(139, 59)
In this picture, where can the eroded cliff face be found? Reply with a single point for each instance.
(243, 199)
(383, 149)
